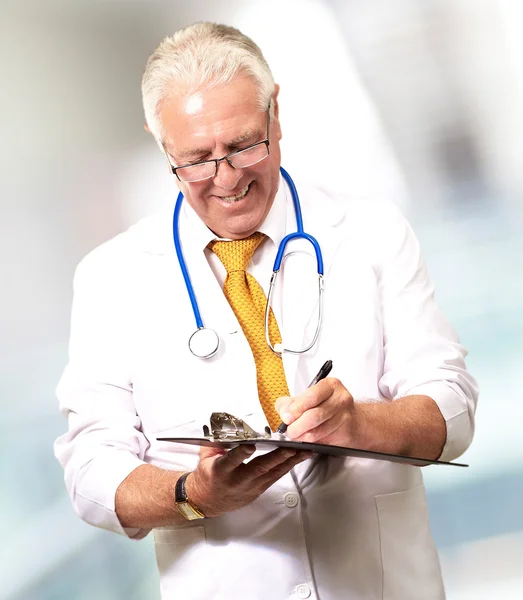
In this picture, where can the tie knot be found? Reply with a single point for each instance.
(236, 254)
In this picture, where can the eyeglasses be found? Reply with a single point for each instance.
(240, 159)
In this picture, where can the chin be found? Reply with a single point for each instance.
(239, 235)
(243, 229)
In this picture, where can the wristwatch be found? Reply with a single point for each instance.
(188, 510)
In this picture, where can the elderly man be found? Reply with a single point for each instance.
(244, 524)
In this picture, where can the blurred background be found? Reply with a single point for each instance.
(420, 102)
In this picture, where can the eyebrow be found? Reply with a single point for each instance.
(247, 136)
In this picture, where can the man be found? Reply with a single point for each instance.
(281, 524)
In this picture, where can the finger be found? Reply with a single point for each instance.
(315, 423)
(261, 465)
(282, 403)
(234, 458)
(265, 481)
(311, 397)
(324, 433)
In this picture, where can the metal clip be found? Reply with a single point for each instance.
(227, 427)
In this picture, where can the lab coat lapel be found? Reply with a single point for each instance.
(322, 217)
(155, 236)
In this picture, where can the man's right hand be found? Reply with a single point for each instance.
(222, 482)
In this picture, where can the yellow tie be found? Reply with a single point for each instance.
(247, 300)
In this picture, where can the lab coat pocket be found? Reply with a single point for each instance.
(180, 554)
(410, 564)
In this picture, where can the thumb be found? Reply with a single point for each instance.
(207, 452)
(282, 405)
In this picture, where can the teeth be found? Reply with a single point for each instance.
(237, 197)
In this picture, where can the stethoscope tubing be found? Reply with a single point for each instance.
(298, 234)
(183, 265)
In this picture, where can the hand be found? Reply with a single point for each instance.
(325, 413)
(222, 482)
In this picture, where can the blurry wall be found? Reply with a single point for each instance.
(419, 102)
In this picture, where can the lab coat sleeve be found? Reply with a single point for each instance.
(103, 443)
(422, 353)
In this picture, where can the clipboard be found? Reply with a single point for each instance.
(229, 432)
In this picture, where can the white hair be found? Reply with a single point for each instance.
(202, 56)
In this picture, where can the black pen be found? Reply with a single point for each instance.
(322, 373)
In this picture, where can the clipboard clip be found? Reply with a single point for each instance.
(226, 427)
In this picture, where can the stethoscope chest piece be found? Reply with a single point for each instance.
(204, 342)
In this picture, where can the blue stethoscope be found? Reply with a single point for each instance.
(204, 342)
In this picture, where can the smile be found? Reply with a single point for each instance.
(235, 198)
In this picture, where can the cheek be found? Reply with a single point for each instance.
(196, 193)
(196, 199)
(269, 175)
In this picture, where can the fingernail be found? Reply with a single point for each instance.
(287, 418)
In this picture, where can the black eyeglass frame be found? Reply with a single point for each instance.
(174, 169)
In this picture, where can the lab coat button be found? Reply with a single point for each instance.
(291, 500)
(303, 591)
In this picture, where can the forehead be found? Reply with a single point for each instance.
(210, 115)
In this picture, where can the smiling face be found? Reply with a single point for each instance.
(210, 124)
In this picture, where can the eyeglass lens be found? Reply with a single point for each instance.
(238, 160)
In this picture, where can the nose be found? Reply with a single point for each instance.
(227, 177)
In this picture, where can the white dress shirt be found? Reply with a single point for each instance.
(332, 528)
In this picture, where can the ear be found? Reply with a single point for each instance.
(276, 120)
(275, 101)
(146, 127)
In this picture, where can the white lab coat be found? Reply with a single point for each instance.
(334, 528)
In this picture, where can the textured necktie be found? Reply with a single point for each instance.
(248, 301)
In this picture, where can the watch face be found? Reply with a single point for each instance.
(189, 512)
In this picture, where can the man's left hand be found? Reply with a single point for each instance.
(325, 413)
